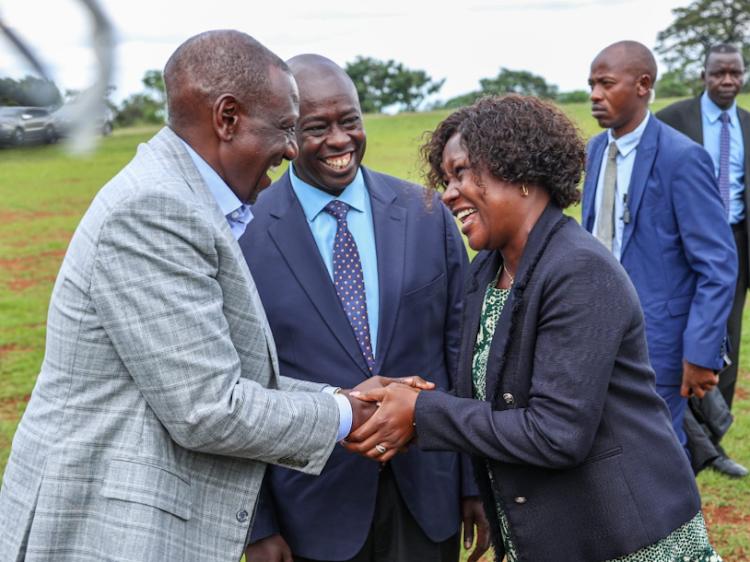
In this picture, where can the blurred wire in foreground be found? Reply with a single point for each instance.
(84, 131)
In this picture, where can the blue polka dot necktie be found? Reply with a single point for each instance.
(348, 279)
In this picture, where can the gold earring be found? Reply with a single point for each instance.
(525, 190)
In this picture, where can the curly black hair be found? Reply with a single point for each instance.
(517, 139)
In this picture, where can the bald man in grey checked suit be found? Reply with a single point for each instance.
(159, 402)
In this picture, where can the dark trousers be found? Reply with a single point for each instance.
(395, 536)
(728, 379)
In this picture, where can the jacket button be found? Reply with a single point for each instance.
(242, 516)
(520, 499)
(508, 397)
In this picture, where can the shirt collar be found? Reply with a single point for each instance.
(713, 111)
(313, 200)
(225, 197)
(629, 142)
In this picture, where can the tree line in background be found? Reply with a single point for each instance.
(387, 85)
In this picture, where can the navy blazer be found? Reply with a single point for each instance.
(687, 117)
(584, 459)
(422, 264)
(678, 248)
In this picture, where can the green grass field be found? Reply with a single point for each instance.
(44, 193)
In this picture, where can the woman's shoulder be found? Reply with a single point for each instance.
(574, 250)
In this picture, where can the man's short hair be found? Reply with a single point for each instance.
(214, 63)
(720, 49)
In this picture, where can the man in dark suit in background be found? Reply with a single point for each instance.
(648, 196)
(713, 120)
(358, 276)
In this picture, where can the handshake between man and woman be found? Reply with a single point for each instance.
(383, 419)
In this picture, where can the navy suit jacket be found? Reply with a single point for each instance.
(585, 463)
(678, 248)
(422, 263)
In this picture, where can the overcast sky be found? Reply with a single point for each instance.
(460, 40)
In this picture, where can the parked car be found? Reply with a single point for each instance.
(19, 125)
(63, 119)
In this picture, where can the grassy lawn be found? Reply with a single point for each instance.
(44, 193)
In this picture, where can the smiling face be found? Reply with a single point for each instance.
(619, 96)
(262, 139)
(723, 78)
(330, 134)
(491, 213)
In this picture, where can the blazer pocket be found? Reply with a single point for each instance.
(138, 482)
(680, 305)
(601, 456)
(424, 292)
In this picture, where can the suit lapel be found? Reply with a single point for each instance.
(535, 245)
(592, 180)
(389, 220)
(644, 160)
(694, 122)
(296, 244)
(170, 146)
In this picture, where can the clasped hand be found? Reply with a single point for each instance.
(389, 428)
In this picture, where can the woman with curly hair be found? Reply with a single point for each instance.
(573, 450)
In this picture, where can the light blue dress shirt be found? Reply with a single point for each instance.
(239, 215)
(628, 147)
(712, 143)
(360, 223)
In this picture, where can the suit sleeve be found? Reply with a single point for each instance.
(710, 250)
(577, 341)
(155, 287)
(457, 265)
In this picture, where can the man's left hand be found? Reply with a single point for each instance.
(697, 380)
(472, 514)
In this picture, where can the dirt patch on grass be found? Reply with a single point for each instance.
(725, 515)
(10, 407)
(30, 263)
(741, 393)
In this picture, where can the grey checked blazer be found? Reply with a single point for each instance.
(159, 402)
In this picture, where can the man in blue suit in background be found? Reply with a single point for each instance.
(358, 276)
(650, 195)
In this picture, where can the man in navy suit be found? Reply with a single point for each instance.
(650, 196)
(359, 275)
(714, 120)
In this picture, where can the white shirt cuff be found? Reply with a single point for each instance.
(345, 412)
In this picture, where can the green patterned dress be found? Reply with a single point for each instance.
(689, 543)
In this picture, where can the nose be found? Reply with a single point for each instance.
(337, 137)
(596, 94)
(450, 194)
(292, 151)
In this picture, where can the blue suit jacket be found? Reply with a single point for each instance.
(421, 268)
(678, 248)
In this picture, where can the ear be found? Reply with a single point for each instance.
(644, 85)
(226, 116)
(703, 77)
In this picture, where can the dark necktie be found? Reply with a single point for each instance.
(348, 279)
(724, 161)
(605, 229)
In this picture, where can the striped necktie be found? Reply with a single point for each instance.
(724, 161)
(606, 226)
